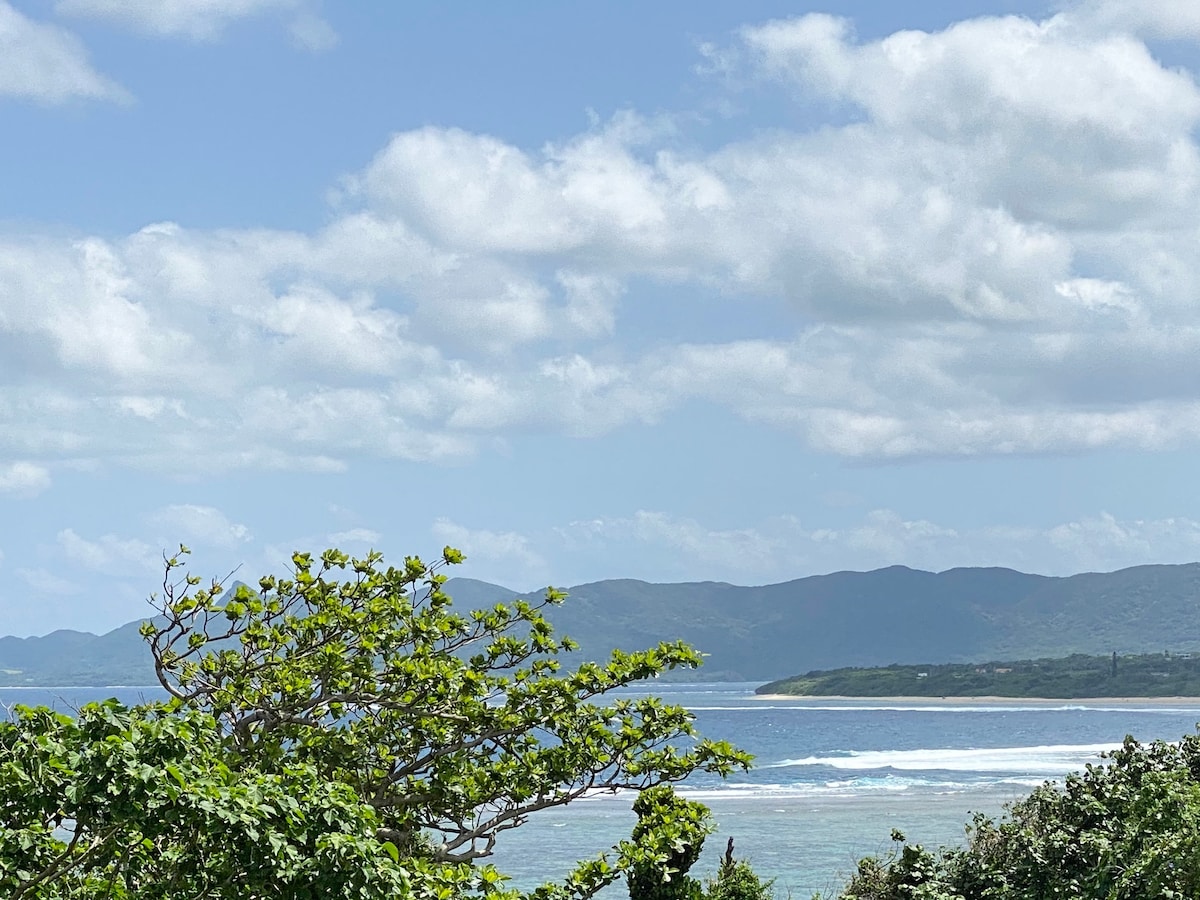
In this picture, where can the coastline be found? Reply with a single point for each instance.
(994, 700)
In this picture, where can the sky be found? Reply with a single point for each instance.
(677, 291)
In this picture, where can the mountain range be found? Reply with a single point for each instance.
(892, 615)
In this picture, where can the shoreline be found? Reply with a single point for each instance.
(993, 700)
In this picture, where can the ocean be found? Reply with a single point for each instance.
(832, 777)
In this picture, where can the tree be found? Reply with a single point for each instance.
(445, 728)
(141, 803)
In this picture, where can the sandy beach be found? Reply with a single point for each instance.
(1032, 701)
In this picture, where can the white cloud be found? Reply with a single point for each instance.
(42, 582)
(477, 193)
(23, 478)
(886, 536)
(78, 301)
(994, 255)
(727, 550)
(206, 525)
(43, 62)
(1151, 18)
(202, 20)
(502, 557)
(783, 548)
(985, 76)
(1094, 542)
(993, 87)
(354, 536)
(312, 328)
(109, 554)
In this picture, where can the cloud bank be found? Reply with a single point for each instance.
(986, 247)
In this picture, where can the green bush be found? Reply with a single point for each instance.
(738, 881)
(671, 832)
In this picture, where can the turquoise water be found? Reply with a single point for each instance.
(832, 778)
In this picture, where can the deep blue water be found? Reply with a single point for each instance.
(67, 699)
(832, 778)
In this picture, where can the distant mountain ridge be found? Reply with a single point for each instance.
(892, 615)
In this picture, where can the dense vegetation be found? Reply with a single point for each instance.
(1127, 830)
(768, 632)
(1146, 675)
(344, 733)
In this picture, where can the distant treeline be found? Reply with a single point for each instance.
(1079, 675)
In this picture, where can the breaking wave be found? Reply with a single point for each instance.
(1052, 760)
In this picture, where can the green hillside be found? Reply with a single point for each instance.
(893, 615)
(1144, 675)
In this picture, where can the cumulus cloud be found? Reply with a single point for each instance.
(503, 557)
(586, 191)
(1094, 542)
(188, 522)
(109, 554)
(76, 301)
(45, 63)
(1075, 130)
(202, 20)
(354, 536)
(1171, 19)
(988, 249)
(23, 478)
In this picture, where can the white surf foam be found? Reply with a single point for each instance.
(990, 708)
(1048, 760)
(880, 786)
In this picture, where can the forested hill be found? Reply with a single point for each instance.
(1071, 677)
(893, 615)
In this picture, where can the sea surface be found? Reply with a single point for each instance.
(832, 777)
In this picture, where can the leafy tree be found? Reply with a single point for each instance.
(345, 709)
(121, 803)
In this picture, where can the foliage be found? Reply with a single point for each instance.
(1143, 675)
(342, 732)
(737, 880)
(1125, 830)
(139, 803)
(675, 829)
(911, 873)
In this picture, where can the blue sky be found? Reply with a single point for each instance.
(673, 291)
